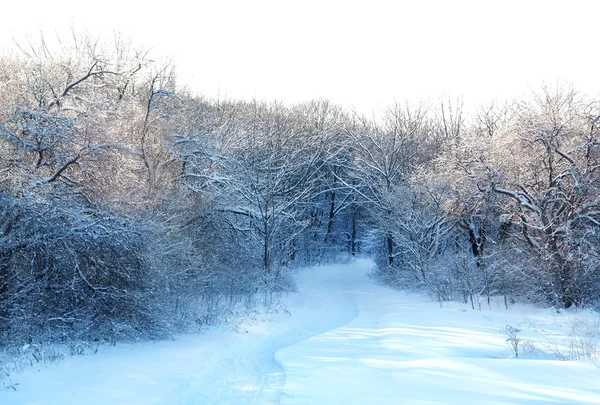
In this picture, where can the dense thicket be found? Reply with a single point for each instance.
(130, 207)
(72, 270)
(510, 207)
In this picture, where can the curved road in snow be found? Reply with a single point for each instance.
(251, 373)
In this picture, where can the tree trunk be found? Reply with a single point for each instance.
(331, 207)
(331, 215)
(266, 256)
(390, 248)
(353, 235)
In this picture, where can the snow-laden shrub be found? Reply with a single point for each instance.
(72, 272)
(208, 273)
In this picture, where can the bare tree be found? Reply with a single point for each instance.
(384, 154)
(555, 193)
(65, 109)
(451, 119)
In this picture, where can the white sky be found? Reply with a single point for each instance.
(357, 53)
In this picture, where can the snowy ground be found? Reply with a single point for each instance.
(347, 341)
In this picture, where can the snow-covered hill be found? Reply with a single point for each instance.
(344, 341)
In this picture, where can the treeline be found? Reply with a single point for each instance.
(130, 207)
(509, 207)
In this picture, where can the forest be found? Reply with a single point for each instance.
(132, 208)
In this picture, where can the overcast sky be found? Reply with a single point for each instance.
(357, 53)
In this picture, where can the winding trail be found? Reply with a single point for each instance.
(250, 373)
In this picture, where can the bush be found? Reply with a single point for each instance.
(70, 272)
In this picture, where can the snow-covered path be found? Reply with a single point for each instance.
(347, 341)
(250, 372)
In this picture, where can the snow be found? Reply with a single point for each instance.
(344, 341)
